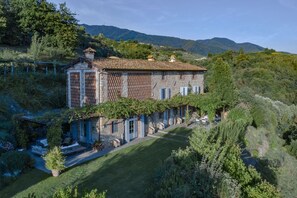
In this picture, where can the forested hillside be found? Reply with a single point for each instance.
(202, 47)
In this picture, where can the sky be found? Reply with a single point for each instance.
(268, 23)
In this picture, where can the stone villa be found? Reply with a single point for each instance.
(97, 81)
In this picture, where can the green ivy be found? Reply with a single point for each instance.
(126, 107)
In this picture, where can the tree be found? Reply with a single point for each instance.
(25, 17)
(11, 33)
(221, 84)
(2, 20)
(36, 46)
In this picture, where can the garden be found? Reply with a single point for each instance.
(126, 173)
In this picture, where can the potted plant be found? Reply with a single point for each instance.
(55, 161)
(97, 145)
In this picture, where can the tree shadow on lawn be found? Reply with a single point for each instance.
(23, 182)
(127, 173)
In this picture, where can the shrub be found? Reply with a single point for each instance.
(240, 113)
(55, 160)
(70, 192)
(292, 148)
(184, 175)
(263, 116)
(21, 135)
(15, 162)
(263, 190)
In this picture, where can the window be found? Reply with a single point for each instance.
(163, 75)
(196, 90)
(184, 91)
(114, 127)
(169, 93)
(131, 127)
(163, 94)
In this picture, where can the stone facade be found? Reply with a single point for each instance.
(93, 85)
(174, 81)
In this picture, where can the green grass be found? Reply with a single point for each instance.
(180, 134)
(125, 173)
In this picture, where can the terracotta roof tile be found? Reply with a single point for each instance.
(135, 64)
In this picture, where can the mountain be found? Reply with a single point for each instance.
(203, 47)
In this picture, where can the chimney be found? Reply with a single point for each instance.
(89, 53)
(172, 58)
(150, 58)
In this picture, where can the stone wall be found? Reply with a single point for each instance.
(106, 134)
(175, 80)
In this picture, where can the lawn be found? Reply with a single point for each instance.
(125, 173)
(179, 134)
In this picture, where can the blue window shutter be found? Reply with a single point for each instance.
(195, 89)
(169, 93)
(127, 135)
(163, 94)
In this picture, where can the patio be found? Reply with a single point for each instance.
(79, 158)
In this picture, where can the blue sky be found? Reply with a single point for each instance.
(269, 23)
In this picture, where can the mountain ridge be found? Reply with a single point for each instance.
(204, 47)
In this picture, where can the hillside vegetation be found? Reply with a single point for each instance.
(270, 74)
(29, 93)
